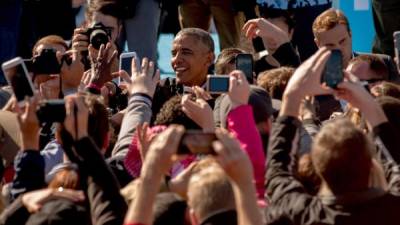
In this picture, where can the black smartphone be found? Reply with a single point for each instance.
(217, 84)
(196, 142)
(51, 111)
(17, 77)
(333, 71)
(244, 62)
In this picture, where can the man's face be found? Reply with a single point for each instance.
(108, 21)
(190, 60)
(336, 38)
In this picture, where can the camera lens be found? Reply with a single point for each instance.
(98, 37)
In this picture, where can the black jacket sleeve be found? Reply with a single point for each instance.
(29, 173)
(106, 203)
(16, 213)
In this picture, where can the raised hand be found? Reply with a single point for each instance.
(71, 74)
(239, 89)
(77, 116)
(198, 110)
(272, 35)
(144, 81)
(29, 124)
(34, 200)
(102, 71)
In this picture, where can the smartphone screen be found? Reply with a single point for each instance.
(125, 62)
(18, 79)
(244, 62)
(218, 84)
(197, 142)
(333, 72)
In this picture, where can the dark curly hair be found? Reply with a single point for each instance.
(171, 113)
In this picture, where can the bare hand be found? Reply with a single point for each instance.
(358, 97)
(34, 200)
(239, 89)
(199, 111)
(71, 75)
(50, 89)
(102, 71)
(144, 139)
(29, 123)
(141, 81)
(272, 35)
(80, 41)
(76, 124)
(159, 156)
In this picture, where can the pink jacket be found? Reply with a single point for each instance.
(240, 122)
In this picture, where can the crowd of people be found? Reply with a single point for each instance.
(303, 140)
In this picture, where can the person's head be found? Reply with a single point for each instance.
(368, 68)
(341, 156)
(332, 30)
(66, 176)
(98, 123)
(226, 60)
(50, 42)
(169, 208)
(171, 113)
(107, 12)
(209, 192)
(386, 89)
(192, 55)
(391, 107)
(307, 175)
(274, 81)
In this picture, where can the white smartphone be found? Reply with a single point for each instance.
(17, 77)
(125, 62)
(217, 84)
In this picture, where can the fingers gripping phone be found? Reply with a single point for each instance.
(244, 62)
(125, 62)
(17, 77)
(217, 84)
(196, 142)
(332, 74)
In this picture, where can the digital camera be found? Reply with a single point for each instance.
(98, 34)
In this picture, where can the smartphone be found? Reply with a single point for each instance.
(196, 142)
(217, 84)
(244, 62)
(396, 39)
(125, 62)
(333, 71)
(51, 111)
(17, 77)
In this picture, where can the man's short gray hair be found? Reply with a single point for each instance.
(200, 35)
